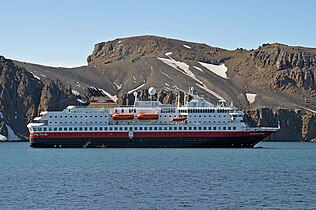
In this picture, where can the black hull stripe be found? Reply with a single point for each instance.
(235, 142)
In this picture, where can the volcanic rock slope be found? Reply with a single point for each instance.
(274, 75)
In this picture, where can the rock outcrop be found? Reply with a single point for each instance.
(296, 125)
(22, 97)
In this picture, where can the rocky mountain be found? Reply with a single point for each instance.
(273, 83)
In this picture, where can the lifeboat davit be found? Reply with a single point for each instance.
(123, 116)
(148, 116)
(179, 118)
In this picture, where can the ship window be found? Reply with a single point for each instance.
(204, 128)
(224, 128)
(155, 128)
(61, 116)
(194, 128)
(234, 128)
(140, 128)
(70, 116)
(85, 128)
(105, 128)
(90, 128)
(170, 128)
(180, 128)
(145, 128)
(135, 128)
(50, 129)
(44, 129)
(80, 128)
(229, 128)
(126, 128)
(165, 128)
(175, 128)
(115, 128)
(185, 128)
(200, 128)
(50, 116)
(210, 128)
(190, 128)
(55, 129)
(65, 129)
(55, 116)
(75, 128)
(214, 128)
(219, 128)
(95, 128)
(65, 116)
(160, 128)
(60, 129)
(110, 128)
(121, 128)
(150, 128)
(70, 129)
(130, 128)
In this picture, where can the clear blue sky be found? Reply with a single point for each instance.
(63, 32)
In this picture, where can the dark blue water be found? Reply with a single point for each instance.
(279, 176)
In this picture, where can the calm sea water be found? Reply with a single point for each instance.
(279, 176)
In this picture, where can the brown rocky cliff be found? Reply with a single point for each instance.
(296, 66)
(22, 97)
(296, 125)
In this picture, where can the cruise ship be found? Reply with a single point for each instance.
(197, 123)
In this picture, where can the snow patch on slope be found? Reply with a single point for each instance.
(178, 65)
(76, 93)
(11, 134)
(114, 98)
(131, 91)
(251, 97)
(118, 86)
(219, 70)
(168, 54)
(198, 68)
(210, 91)
(3, 138)
(187, 46)
(35, 76)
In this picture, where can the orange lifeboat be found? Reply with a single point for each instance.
(179, 118)
(123, 116)
(148, 116)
